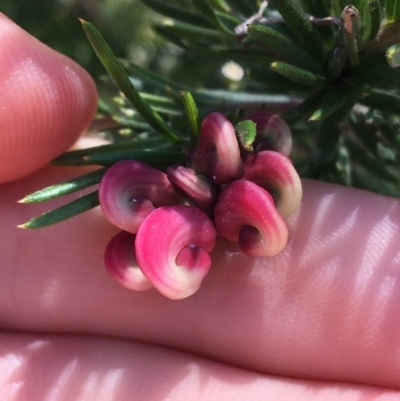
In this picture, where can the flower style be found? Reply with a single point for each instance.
(172, 249)
(272, 133)
(218, 153)
(197, 190)
(246, 213)
(130, 190)
(275, 173)
(121, 263)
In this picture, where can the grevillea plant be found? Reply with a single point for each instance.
(320, 98)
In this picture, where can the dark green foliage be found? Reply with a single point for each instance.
(330, 68)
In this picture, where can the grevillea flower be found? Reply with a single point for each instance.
(218, 153)
(172, 248)
(120, 261)
(246, 213)
(198, 190)
(275, 173)
(130, 190)
(272, 133)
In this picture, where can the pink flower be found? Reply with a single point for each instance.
(120, 261)
(218, 154)
(198, 190)
(130, 190)
(246, 213)
(275, 173)
(172, 248)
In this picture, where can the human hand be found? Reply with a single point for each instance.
(318, 322)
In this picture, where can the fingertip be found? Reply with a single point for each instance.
(47, 101)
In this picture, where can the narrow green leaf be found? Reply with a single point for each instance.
(64, 212)
(334, 98)
(189, 32)
(210, 15)
(305, 109)
(285, 46)
(160, 82)
(351, 31)
(274, 81)
(165, 33)
(246, 134)
(221, 6)
(298, 75)
(73, 157)
(122, 80)
(192, 115)
(393, 56)
(177, 13)
(238, 55)
(65, 188)
(164, 157)
(375, 16)
(382, 101)
(244, 7)
(392, 10)
(300, 24)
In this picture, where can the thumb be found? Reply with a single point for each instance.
(46, 102)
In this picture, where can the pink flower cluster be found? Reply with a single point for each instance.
(170, 220)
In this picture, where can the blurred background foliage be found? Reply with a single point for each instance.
(125, 24)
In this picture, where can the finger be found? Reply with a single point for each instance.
(326, 308)
(46, 102)
(55, 368)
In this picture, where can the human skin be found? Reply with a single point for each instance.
(320, 321)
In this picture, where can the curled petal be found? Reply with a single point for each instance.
(272, 133)
(199, 191)
(120, 261)
(130, 190)
(246, 213)
(218, 153)
(172, 247)
(275, 173)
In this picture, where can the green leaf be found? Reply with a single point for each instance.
(392, 10)
(335, 97)
(274, 81)
(64, 212)
(189, 32)
(122, 80)
(305, 109)
(177, 13)
(393, 56)
(351, 33)
(285, 46)
(75, 157)
(375, 17)
(65, 188)
(298, 75)
(210, 15)
(244, 7)
(382, 101)
(160, 82)
(246, 134)
(192, 115)
(299, 22)
(160, 159)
